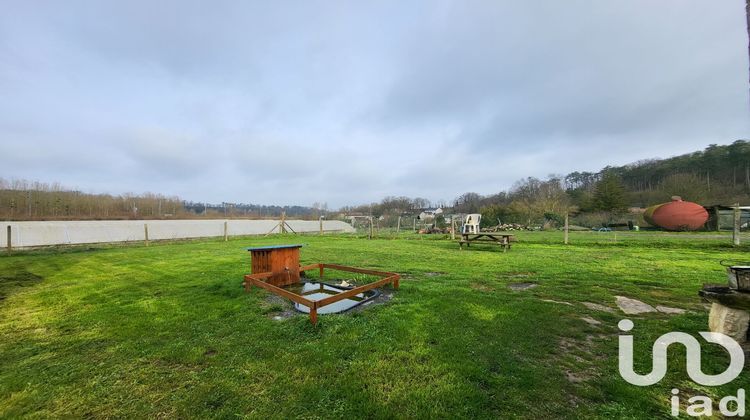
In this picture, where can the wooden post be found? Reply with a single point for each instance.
(225, 231)
(736, 231)
(566, 228)
(370, 228)
(453, 228)
(8, 244)
(145, 231)
(415, 224)
(282, 224)
(320, 219)
(716, 216)
(314, 315)
(398, 225)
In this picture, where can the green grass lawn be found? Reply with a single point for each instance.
(167, 331)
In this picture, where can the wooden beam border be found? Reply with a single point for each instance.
(258, 280)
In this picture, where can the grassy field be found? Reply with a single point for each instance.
(167, 331)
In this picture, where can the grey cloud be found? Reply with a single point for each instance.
(346, 103)
(558, 70)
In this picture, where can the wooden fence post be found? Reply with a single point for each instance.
(282, 227)
(145, 231)
(453, 228)
(226, 231)
(398, 225)
(566, 228)
(716, 216)
(320, 218)
(736, 231)
(370, 228)
(10, 247)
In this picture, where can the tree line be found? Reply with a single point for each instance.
(27, 200)
(31, 200)
(255, 211)
(717, 175)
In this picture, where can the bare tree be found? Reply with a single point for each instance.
(23, 200)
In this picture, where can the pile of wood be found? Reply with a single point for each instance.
(430, 229)
(503, 227)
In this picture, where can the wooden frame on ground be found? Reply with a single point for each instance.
(259, 280)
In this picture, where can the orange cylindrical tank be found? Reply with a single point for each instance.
(649, 213)
(677, 215)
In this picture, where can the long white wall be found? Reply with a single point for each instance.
(28, 234)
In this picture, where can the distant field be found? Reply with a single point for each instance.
(167, 331)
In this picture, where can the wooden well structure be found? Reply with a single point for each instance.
(276, 266)
(282, 261)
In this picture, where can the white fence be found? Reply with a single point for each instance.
(29, 234)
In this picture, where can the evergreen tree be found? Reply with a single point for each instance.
(609, 194)
(440, 221)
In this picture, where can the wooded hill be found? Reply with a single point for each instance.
(718, 175)
(715, 175)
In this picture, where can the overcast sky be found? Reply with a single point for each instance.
(285, 102)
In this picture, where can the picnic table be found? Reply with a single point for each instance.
(500, 238)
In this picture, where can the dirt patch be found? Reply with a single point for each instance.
(433, 273)
(210, 353)
(575, 378)
(557, 301)
(522, 286)
(278, 308)
(383, 298)
(482, 287)
(577, 357)
(567, 344)
(518, 274)
(590, 321)
(573, 400)
(661, 293)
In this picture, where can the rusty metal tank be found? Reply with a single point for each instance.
(677, 215)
